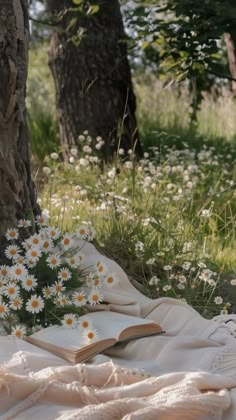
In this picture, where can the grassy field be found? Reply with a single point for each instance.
(168, 220)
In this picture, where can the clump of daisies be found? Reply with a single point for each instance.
(45, 280)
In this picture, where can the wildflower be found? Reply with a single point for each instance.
(4, 309)
(95, 296)
(46, 170)
(73, 261)
(205, 213)
(82, 232)
(54, 156)
(85, 323)
(34, 240)
(54, 260)
(111, 280)
(53, 232)
(211, 282)
(33, 253)
(18, 272)
(101, 269)
(29, 283)
(12, 252)
(166, 288)
(186, 265)
(64, 274)
(58, 287)
(12, 234)
(69, 321)
(182, 279)
(46, 245)
(79, 298)
(16, 303)
(74, 152)
(47, 292)
(91, 233)
(11, 290)
(42, 220)
(218, 300)
(181, 286)
(154, 281)
(35, 304)
(23, 223)
(167, 267)
(233, 282)
(18, 331)
(67, 242)
(205, 275)
(91, 335)
(4, 272)
(151, 261)
(2, 284)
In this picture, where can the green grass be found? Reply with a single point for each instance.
(172, 207)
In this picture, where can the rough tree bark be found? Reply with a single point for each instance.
(230, 39)
(17, 192)
(93, 81)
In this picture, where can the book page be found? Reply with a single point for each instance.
(108, 325)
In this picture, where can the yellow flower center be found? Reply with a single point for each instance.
(85, 324)
(95, 298)
(109, 279)
(53, 261)
(2, 309)
(34, 254)
(18, 334)
(35, 241)
(12, 234)
(18, 271)
(82, 231)
(11, 290)
(29, 282)
(66, 241)
(80, 298)
(69, 321)
(34, 304)
(13, 251)
(4, 272)
(90, 335)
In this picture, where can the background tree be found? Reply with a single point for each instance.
(186, 38)
(17, 192)
(88, 59)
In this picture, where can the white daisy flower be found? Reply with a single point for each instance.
(54, 260)
(98, 282)
(4, 272)
(79, 298)
(12, 252)
(33, 254)
(218, 300)
(46, 245)
(111, 280)
(35, 304)
(29, 283)
(12, 234)
(154, 280)
(18, 331)
(91, 335)
(53, 232)
(64, 274)
(86, 323)
(80, 257)
(58, 287)
(101, 269)
(11, 290)
(20, 260)
(73, 261)
(2, 284)
(47, 292)
(42, 220)
(23, 223)
(89, 280)
(95, 296)
(62, 301)
(82, 232)
(18, 272)
(67, 242)
(34, 240)
(69, 321)
(16, 303)
(233, 282)
(4, 309)
(30, 263)
(91, 233)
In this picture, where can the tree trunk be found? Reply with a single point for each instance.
(230, 39)
(17, 192)
(92, 78)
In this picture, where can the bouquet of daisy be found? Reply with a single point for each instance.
(43, 282)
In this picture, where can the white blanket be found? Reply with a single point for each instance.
(188, 373)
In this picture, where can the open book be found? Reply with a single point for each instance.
(97, 332)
